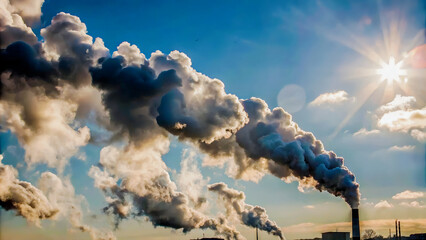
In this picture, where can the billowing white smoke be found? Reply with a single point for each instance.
(50, 89)
(14, 18)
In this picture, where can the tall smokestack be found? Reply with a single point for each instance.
(355, 224)
(257, 236)
(399, 229)
(396, 229)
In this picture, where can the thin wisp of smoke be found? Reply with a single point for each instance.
(252, 216)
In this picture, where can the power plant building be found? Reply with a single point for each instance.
(418, 236)
(336, 236)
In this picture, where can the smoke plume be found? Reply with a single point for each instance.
(270, 142)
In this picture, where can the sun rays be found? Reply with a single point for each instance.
(388, 62)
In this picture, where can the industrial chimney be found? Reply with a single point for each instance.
(399, 229)
(355, 224)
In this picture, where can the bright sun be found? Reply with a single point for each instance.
(391, 71)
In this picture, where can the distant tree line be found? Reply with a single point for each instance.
(370, 234)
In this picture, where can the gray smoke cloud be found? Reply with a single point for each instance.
(147, 190)
(54, 199)
(273, 135)
(130, 94)
(252, 216)
(200, 110)
(27, 200)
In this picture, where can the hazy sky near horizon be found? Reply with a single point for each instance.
(318, 60)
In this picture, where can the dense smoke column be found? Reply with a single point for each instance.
(299, 151)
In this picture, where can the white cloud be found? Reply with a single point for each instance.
(383, 204)
(330, 98)
(405, 148)
(419, 135)
(309, 206)
(408, 195)
(413, 204)
(402, 115)
(403, 120)
(399, 103)
(364, 132)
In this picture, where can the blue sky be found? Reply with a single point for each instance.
(257, 49)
